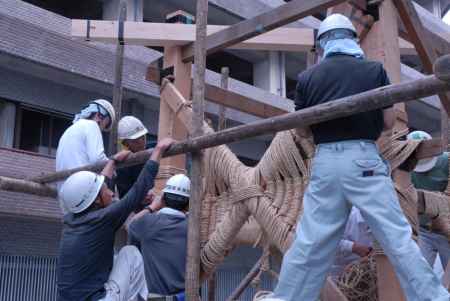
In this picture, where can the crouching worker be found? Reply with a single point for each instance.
(162, 238)
(86, 269)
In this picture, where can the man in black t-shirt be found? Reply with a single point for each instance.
(348, 171)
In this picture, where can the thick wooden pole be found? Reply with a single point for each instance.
(363, 102)
(24, 186)
(245, 282)
(225, 73)
(381, 44)
(117, 90)
(193, 248)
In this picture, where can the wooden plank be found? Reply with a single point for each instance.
(413, 24)
(198, 106)
(382, 45)
(240, 102)
(169, 34)
(421, 40)
(225, 73)
(246, 29)
(331, 292)
(118, 89)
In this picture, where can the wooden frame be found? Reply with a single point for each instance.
(170, 34)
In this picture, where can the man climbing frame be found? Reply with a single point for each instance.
(82, 143)
(86, 269)
(348, 171)
(161, 236)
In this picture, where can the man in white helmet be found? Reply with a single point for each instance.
(86, 269)
(82, 143)
(431, 174)
(348, 171)
(133, 135)
(161, 237)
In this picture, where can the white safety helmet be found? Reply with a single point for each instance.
(427, 164)
(131, 128)
(179, 185)
(80, 190)
(109, 108)
(335, 21)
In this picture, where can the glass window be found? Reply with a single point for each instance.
(39, 131)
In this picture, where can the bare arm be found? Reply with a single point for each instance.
(389, 119)
(110, 167)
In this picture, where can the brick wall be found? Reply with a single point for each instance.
(21, 236)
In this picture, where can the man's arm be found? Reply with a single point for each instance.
(119, 211)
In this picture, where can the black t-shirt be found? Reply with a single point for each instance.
(335, 77)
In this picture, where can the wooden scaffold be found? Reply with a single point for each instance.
(233, 204)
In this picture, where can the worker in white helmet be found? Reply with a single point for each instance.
(86, 269)
(161, 236)
(133, 135)
(431, 174)
(82, 143)
(348, 171)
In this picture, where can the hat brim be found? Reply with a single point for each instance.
(425, 165)
(137, 135)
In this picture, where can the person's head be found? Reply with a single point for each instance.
(177, 192)
(132, 133)
(423, 165)
(101, 111)
(84, 189)
(335, 27)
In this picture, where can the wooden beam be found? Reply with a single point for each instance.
(117, 89)
(382, 44)
(222, 122)
(169, 35)
(198, 106)
(413, 24)
(421, 41)
(24, 186)
(331, 292)
(246, 29)
(240, 102)
(363, 102)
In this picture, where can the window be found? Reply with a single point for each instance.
(39, 131)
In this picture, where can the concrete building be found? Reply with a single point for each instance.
(46, 77)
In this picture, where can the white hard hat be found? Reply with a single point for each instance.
(80, 190)
(179, 185)
(131, 128)
(335, 21)
(427, 164)
(109, 108)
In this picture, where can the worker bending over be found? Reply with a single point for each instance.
(132, 134)
(82, 143)
(86, 270)
(431, 174)
(348, 171)
(162, 237)
(356, 244)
